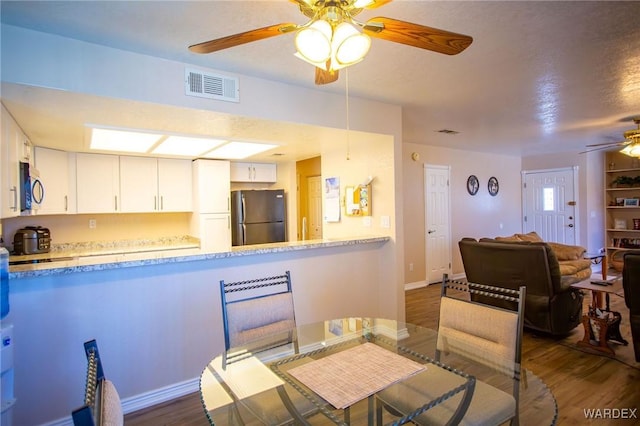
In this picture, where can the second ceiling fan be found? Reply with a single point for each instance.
(332, 39)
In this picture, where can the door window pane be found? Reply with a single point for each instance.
(548, 199)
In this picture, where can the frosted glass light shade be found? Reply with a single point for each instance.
(313, 43)
(349, 45)
(632, 150)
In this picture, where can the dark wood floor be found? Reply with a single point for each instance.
(578, 380)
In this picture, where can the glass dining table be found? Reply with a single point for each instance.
(329, 372)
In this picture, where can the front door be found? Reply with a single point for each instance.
(437, 223)
(549, 204)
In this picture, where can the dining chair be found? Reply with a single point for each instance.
(102, 404)
(258, 316)
(471, 334)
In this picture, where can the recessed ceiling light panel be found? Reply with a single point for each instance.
(186, 146)
(238, 150)
(122, 140)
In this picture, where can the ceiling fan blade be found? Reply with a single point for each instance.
(242, 38)
(325, 76)
(601, 148)
(621, 143)
(377, 3)
(416, 35)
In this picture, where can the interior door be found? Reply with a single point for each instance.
(437, 222)
(314, 185)
(549, 204)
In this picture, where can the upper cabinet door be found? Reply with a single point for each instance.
(53, 170)
(9, 167)
(212, 187)
(253, 172)
(97, 183)
(139, 185)
(175, 185)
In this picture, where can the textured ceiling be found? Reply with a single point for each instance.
(539, 76)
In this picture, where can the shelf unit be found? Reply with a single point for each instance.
(619, 218)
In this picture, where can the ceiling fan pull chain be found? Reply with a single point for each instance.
(347, 96)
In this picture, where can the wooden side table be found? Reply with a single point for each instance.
(599, 328)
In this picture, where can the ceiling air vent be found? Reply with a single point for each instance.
(212, 86)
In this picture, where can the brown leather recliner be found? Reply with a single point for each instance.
(631, 285)
(551, 305)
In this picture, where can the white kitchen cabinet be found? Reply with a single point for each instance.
(253, 172)
(14, 148)
(211, 186)
(138, 184)
(214, 231)
(52, 167)
(175, 184)
(211, 220)
(150, 185)
(97, 183)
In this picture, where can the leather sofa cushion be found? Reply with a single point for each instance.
(568, 252)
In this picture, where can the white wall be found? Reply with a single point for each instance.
(471, 216)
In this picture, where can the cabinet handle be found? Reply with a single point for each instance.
(161, 202)
(66, 203)
(249, 172)
(15, 198)
(116, 201)
(155, 202)
(254, 173)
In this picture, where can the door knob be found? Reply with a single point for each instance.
(431, 231)
(570, 225)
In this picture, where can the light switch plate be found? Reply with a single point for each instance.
(385, 221)
(366, 221)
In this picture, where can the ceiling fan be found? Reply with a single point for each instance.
(630, 145)
(332, 39)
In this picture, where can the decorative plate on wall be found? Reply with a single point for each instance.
(493, 186)
(472, 185)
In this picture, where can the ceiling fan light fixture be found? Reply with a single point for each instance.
(632, 150)
(313, 43)
(349, 44)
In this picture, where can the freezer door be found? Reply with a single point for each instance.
(261, 233)
(263, 206)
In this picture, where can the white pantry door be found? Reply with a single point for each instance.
(549, 204)
(314, 185)
(437, 222)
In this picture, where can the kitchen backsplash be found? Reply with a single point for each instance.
(108, 227)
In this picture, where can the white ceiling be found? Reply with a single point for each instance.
(539, 76)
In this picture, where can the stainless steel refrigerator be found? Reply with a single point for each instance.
(257, 217)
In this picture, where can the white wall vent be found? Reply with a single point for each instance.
(212, 86)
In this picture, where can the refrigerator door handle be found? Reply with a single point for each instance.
(244, 232)
(244, 215)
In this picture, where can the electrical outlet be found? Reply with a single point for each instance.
(92, 223)
(411, 267)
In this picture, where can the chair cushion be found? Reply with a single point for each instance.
(489, 406)
(479, 332)
(111, 414)
(255, 318)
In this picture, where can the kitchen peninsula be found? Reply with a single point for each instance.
(157, 314)
(81, 258)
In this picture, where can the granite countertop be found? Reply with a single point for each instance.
(85, 257)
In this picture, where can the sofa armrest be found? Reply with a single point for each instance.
(567, 252)
(566, 281)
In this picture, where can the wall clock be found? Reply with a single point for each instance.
(472, 185)
(493, 186)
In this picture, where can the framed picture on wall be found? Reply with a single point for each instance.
(493, 186)
(472, 185)
(631, 202)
